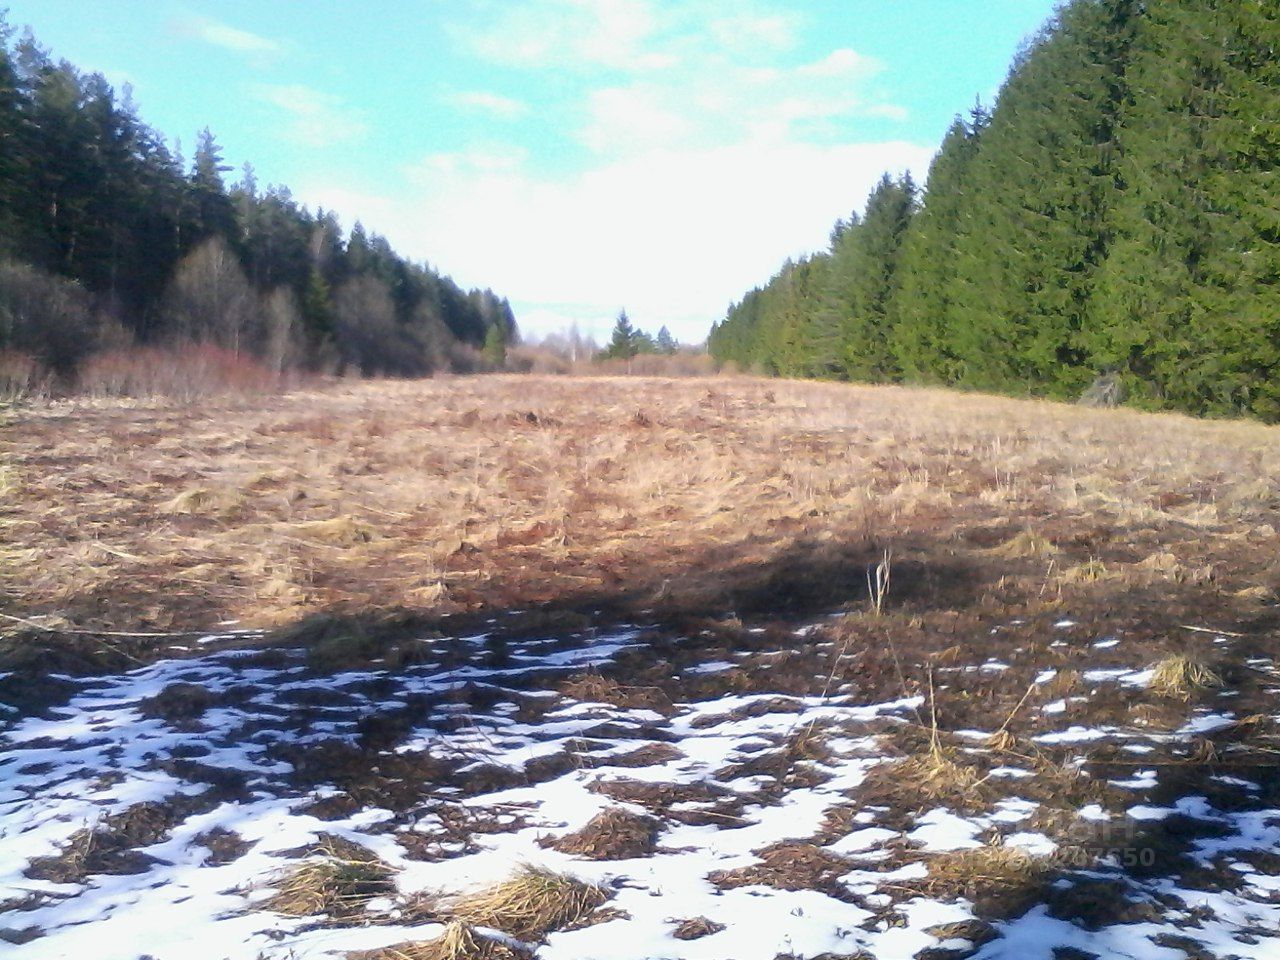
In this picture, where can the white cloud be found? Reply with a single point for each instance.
(748, 32)
(315, 118)
(504, 108)
(227, 37)
(568, 33)
(714, 152)
(719, 102)
(672, 236)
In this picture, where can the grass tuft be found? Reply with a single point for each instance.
(1002, 740)
(695, 928)
(612, 834)
(1023, 545)
(458, 942)
(1181, 678)
(986, 868)
(531, 904)
(339, 883)
(936, 774)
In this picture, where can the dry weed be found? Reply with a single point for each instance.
(993, 866)
(534, 902)
(458, 942)
(695, 928)
(612, 834)
(1182, 678)
(339, 883)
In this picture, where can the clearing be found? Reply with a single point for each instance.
(622, 668)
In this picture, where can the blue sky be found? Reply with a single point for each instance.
(578, 156)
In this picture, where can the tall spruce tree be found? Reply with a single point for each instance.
(928, 267)
(851, 335)
(1043, 187)
(1189, 300)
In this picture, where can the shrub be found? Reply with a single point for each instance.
(22, 377)
(186, 373)
(47, 317)
(683, 364)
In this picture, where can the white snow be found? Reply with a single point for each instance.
(100, 756)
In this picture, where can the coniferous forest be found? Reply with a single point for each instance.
(1116, 212)
(111, 241)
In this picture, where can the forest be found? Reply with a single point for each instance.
(1116, 212)
(113, 247)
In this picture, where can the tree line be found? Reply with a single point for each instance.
(1116, 212)
(109, 238)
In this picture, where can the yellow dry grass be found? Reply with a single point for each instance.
(1181, 678)
(455, 495)
(988, 866)
(338, 883)
(533, 902)
(458, 942)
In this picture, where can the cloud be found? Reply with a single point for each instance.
(504, 108)
(748, 32)
(723, 102)
(222, 35)
(672, 236)
(315, 118)
(653, 75)
(614, 34)
(714, 150)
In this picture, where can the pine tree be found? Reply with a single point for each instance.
(1188, 308)
(495, 346)
(14, 152)
(214, 212)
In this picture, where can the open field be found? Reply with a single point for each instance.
(741, 668)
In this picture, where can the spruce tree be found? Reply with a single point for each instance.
(622, 343)
(1043, 186)
(928, 267)
(851, 333)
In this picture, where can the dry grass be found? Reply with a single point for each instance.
(532, 903)
(1182, 678)
(505, 492)
(695, 928)
(613, 834)
(992, 864)
(458, 942)
(999, 880)
(339, 883)
(938, 775)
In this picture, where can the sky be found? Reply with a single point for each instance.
(579, 157)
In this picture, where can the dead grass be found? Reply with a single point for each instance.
(612, 834)
(532, 903)
(1182, 678)
(338, 883)
(790, 866)
(939, 775)
(1001, 881)
(458, 942)
(507, 492)
(695, 928)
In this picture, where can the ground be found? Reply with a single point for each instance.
(721, 668)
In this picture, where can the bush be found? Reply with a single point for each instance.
(541, 360)
(22, 377)
(683, 364)
(48, 318)
(186, 373)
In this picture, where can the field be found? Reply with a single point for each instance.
(632, 668)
